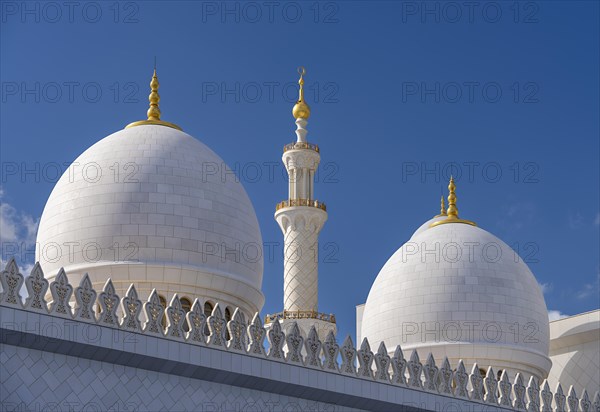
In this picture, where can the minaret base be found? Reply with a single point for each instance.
(322, 323)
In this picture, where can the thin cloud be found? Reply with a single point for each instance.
(518, 215)
(589, 289)
(17, 232)
(556, 315)
(16, 226)
(546, 287)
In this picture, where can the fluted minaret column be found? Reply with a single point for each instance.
(301, 219)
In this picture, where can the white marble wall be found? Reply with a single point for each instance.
(34, 380)
(575, 351)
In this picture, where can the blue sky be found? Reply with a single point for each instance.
(402, 94)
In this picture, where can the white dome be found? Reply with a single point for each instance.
(154, 206)
(456, 290)
(426, 225)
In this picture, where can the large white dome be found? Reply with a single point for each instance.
(456, 290)
(152, 205)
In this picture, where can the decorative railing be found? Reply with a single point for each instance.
(301, 202)
(291, 348)
(301, 145)
(300, 314)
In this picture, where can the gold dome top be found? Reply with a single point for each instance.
(301, 109)
(153, 111)
(452, 212)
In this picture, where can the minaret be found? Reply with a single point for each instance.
(301, 218)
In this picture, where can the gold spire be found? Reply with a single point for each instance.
(452, 212)
(154, 98)
(301, 109)
(452, 209)
(442, 207)
(153, 111)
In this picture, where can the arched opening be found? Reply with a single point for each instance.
(227, 319)
(163, 303)
(208, 308)
(186, 305)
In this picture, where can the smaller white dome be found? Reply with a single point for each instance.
(456, 290)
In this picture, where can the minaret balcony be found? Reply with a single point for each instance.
(300, 145)
(300, 314)
(301, 202)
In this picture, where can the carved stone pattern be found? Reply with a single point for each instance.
(294, 345)
(348, 357)
(276, 340)
(462, 380)
(85, 296)
(445, 378)
(476, 384)
(382, 363)
(546, 397)
(491, 385)
(37, 286)
(414, 371)
(505, 390)
(399, 367)
(176, 316)
(108, 300)
(12, 281)
(519, 390)
(330, 351)
(196, 320)
(584, 402)
(216, 327)
(596, 407)
(256, 332)
(560, 399)
(154, 312)
(300, 265)
(237, 332)
(430, 371)
(61, 294)
(132, 307)
(572, 400)
(365, 360)
(313, 349)
(533, 395)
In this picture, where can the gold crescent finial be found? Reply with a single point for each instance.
(452, 212)
(301, 109)
(153, 111)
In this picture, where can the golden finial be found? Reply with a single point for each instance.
(153, 111)
(452, 209)
(154, 98)
(301, 109)
(442, 207)
(452, 212)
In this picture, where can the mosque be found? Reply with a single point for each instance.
(140, 300)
